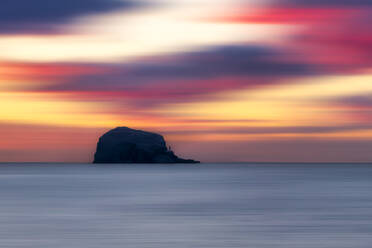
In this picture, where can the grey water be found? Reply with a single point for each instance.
(179, 206)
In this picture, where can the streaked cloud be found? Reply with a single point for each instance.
(43, 16)
(245, 65)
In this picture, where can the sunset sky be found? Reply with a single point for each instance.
(222, 80)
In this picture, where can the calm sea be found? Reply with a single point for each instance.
(178, 206)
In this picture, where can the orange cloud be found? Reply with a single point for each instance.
(13, 70)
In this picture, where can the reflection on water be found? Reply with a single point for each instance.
(81, 206)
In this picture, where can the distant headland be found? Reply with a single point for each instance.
(126, 145)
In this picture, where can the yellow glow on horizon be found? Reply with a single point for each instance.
(268, 113)
(274, 106)
(315, 88)
(304, 102)
(34, 108)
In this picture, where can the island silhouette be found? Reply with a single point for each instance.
(126, 145)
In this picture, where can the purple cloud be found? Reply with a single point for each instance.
(40, 16)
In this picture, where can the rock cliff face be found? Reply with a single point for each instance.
(125, 145)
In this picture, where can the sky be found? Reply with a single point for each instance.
(222, 80)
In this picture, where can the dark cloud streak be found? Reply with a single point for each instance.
(244, 62)
(185, 77)
(43, 16)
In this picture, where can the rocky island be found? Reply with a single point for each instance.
(126, 145)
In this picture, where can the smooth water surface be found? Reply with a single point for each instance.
(179, 206)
